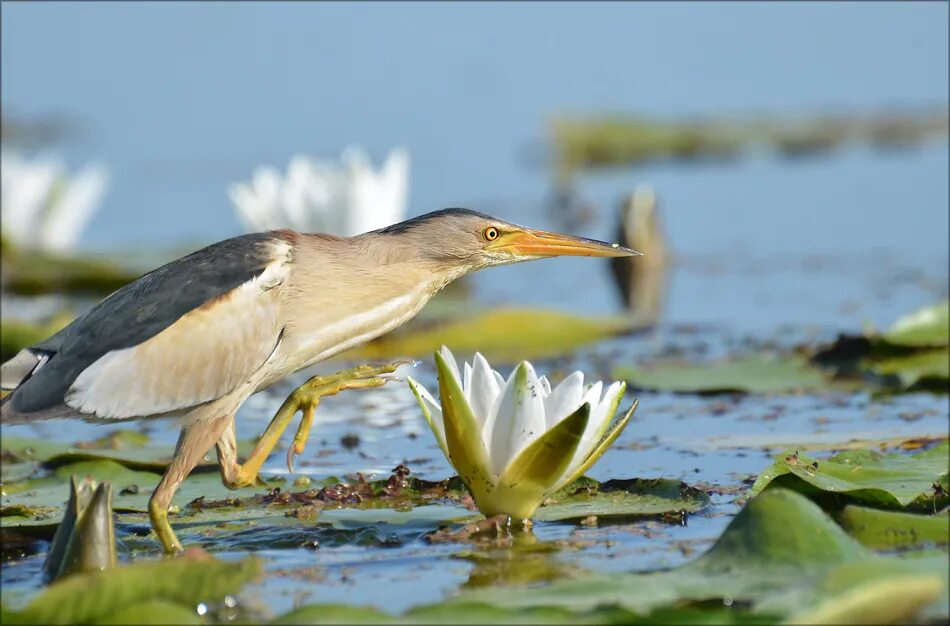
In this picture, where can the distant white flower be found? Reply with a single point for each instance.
(515, 442)
(43, 207)
(320, 196)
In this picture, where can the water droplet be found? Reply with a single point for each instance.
(202, 608)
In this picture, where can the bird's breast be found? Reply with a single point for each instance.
(312, 336)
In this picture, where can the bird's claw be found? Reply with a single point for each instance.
(308, 395)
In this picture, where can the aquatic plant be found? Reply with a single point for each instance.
(345, 198)
(516, 441)
(44, 206)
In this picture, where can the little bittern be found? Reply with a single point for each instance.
(196, 337)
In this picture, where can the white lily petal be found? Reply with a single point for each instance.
(564, 399)
(467, 381)
(545, 386)
(499, 379)
(68, 217)
(520, 417)
(433, 410)
(484, 389)
(600, 416)
(592, 394)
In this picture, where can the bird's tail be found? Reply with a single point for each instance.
(14, 373)
(19, 368)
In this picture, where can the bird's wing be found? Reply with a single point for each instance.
(186, 333)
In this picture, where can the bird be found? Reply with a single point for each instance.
(196, 337)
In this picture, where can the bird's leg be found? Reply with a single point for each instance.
(226, 448)
(306, 398)
(193, 443)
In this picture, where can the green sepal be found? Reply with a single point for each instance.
(463, 437)
(605, 443)
(539, 466)
(413, 385)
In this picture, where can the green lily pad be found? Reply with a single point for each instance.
(754, 374)
(920, 370)
(891, 600)
(893, 529)
(131, 490)
(506, 335)
(622, 498)
(153, 612)
(929, 326)
(86, 598)
(780, 553)
(893, 481)
(484, 613)
(914, 355)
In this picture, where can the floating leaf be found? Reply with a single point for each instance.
(153, 612)
(781, 552)
(929, 326)
(754, 374)
(914, 355)
(622, 498)
(85, 598)
(507, 335)
(894, 600)
(894, 481)
(892, 529)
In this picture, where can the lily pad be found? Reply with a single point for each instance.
(894, 481)
(622, 498)
(914, 355)
(753, 374)
(507, 335)
(132, 489)
(928, 327)
(85, 598)
(781, 552)
(893, 529)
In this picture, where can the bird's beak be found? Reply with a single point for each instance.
(539, 243)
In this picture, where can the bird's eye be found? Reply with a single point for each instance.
(491, 233)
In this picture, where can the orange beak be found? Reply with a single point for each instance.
(539, 243)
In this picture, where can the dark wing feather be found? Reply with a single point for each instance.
(141, 310)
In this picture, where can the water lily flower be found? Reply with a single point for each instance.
(44, 207)
(344, 199)
(516, 441)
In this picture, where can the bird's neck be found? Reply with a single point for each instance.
(346, 292)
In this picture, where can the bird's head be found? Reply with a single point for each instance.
(460, 237)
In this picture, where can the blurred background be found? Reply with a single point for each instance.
(177, 102)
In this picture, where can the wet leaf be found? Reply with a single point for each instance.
(892, 529)
(894, 600)
(894, 481)
(622, 498)
(48, 495)
(929, 326)
(85, 598)
(920, 370)
(914, 355)
(454, 612)
(780, 553)
(505, 335)
(753, 374)
(153, 612)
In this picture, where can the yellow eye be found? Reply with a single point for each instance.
(491, 233)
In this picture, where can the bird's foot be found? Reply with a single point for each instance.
(308, 396)
(159, 518)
